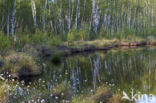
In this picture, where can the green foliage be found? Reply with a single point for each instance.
(21, 40)
(44, 37)
(74, 34)
(38, 38)
(5, 42)
(19, 64)
(123, 18)
(25, 20)
(53, 41)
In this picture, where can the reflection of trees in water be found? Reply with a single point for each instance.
(130, 69)
(95, 68)
(76, 77)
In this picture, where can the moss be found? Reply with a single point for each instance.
(101, 95)
(116, 99)
(20, 64)
(93, 43)
(81, 99)
(151, 40)
(4, 95)
(130, 40)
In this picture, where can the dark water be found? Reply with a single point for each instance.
(119, 70)
(124, 69)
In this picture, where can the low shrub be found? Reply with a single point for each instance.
(39, 37)
(5, 42)
(19, 64)
(53, 41)
(75, 35)
(21, 40)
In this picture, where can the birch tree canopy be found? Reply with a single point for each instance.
(62, 16)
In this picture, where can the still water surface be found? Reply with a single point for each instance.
(119, 70)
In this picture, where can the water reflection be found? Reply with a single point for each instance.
(130, 69)
(95, 68)
(119, 70)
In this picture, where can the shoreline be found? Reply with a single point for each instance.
(68, 50)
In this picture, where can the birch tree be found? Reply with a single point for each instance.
(60, 16)
(95, 17)
(44, 14)
(34, 13)
(12, 21)
(77, 19)
(69, 16)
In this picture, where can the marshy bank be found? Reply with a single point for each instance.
(30, 60)
(84, 77)
(76, 71)
(76, 47)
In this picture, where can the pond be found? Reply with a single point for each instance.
(98, 77)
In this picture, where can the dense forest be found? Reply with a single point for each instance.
(56, 21)
(88, 18)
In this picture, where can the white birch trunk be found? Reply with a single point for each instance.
(77, 20)
(69, 17)
(105, 19)
(34, 13)
(12, 21)
(92, 15)
(44, 14)
(95, 17)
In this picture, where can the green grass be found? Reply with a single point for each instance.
(38, 38)
(74, 38)
(19, 41)
(5, 42)
(108, 42)
(18, 64)
(101, 94)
